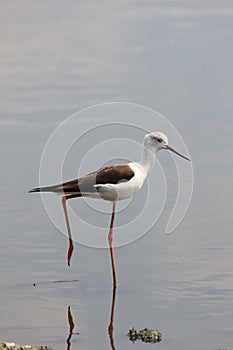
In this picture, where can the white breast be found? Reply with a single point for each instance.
(123, 189)
(126, 189)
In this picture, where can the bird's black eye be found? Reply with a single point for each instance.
(159, 139)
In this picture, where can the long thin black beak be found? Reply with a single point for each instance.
(173, 150)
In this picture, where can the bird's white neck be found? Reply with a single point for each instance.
(147, 158)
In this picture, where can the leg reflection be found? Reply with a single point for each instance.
(111, 324)
(71, 326)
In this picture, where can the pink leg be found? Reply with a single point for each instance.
(111, 324)
(110, 240)
(71, 246)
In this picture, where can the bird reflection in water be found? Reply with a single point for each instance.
(110, 327)
(71, 328)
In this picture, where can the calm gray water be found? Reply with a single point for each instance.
(175, 57)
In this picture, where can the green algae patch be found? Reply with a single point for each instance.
(146, 335)
(13, 346)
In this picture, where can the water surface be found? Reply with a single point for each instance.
(175, 57)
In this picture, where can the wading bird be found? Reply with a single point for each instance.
(112, 183)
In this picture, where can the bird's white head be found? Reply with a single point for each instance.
(156, 141)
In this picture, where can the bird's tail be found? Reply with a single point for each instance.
(44, 189)
(34, 190)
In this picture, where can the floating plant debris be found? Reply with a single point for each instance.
(13, 346)
(146, 335)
